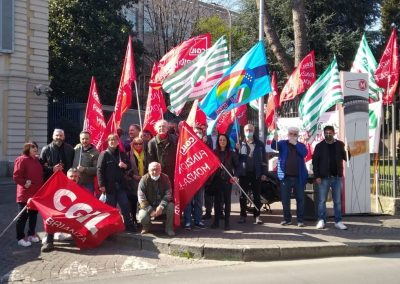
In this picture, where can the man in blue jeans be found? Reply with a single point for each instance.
(292, 173)
(327, 162)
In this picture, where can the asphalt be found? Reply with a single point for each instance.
(366, 234)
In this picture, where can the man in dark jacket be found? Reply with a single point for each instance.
(56, 156)
(111, 168)
(327, 161)
(252, 159)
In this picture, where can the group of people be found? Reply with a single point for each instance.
(139, 176)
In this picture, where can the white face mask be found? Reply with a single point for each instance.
(154, 177)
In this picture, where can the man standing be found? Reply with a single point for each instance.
(133, 132)
(56, 156)
(111, 168)
(85, 161)
(252, 158)
(327, 161)
(155, 199)
(162, 149)
(292, 173)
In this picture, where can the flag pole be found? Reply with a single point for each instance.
(261, 125)
(138, 106)
(9, 225)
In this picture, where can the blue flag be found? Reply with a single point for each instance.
(233, 135)
(246, 80)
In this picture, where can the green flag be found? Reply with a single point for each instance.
(365, 62)
(320, 97)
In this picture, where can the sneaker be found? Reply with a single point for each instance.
(62, 237)
(200, 225)
(33, 239)
(47, 247)
(300, 224)
(341, 226)
(24, 243)
(130, 229)
(285, 223)
(144, 231)
(320, 224)
(188, 227)
(258, 220)
(170, 233)
(242, 220)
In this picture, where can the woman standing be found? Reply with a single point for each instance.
(28, 175)
(222, 183)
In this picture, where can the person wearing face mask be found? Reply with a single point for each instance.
(162, 148)
(195, 206)
(292, 173)
(327, 161)
(252, 157)
(155, 199)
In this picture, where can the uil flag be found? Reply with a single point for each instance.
(322, 95)
(375, 125)
(195, 79)
(94, 120)
(179, 56)
(155, 107)
(196, 116)
(195, 163)
(387, 73)
(68, 208)
(365, 62)
(301, 79)
(272, 105)
(245, 81)
(124, 96)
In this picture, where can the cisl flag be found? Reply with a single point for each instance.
(68, 208)
(195, 163)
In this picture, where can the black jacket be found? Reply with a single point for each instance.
(164, 153)
(321, 158)
(52, 155)
(108, 171)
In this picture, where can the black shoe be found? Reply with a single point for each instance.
(47, 247)
(207, 216)
(131, 229)
(227, 227)
(222, 216)
(242, 220)
(214, 226)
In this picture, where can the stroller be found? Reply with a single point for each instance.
(269, 192)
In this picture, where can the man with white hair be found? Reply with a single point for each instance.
(155, 199)
(292, 173)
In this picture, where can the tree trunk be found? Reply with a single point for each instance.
(274, 41)
(300, 31)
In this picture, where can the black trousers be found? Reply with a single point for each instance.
(27, 215)
(223, 193)
(250, 183)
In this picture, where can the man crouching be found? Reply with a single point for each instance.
(155, 199)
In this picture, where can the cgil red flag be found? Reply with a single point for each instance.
(301, 79)
(227, 118)
(124, 95)
(68, 208)
(94, 122)
(179, 56)
(196, 116)
(272, 105)
(387, 72)
(195, 163)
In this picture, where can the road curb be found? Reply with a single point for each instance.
(212, 251)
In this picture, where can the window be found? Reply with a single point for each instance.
(6, 25)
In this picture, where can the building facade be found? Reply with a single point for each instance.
(24, 77)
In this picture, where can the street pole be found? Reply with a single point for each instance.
(261, 125)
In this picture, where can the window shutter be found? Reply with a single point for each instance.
(6, 25)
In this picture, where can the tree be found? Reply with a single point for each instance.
(88, 38)
(390, 10)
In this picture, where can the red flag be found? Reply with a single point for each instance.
(177, 57)
(227, 118)
(94, 122)
(387, 73)
(196, 116)
(195, 163)
(68, 208)
(272, 105)
(301, 79)
(124, 96)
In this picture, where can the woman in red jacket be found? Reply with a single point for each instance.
(28, 175)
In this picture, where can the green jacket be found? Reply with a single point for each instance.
(152, 193)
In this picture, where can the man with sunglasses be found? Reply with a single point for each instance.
(327, 161)
(292, 173)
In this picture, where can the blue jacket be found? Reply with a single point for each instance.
(283, 148)
(259, 158)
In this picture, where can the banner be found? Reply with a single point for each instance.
(155, 107)
(375, 125)
(68, 208)
(195, 163)
(94, 122)
(196, 116)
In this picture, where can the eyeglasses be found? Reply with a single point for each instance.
(293, 134)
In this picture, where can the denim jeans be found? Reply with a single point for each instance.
(195, 206)
(286, 188)
(169, 210)
(336, 183)
(119, 196)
